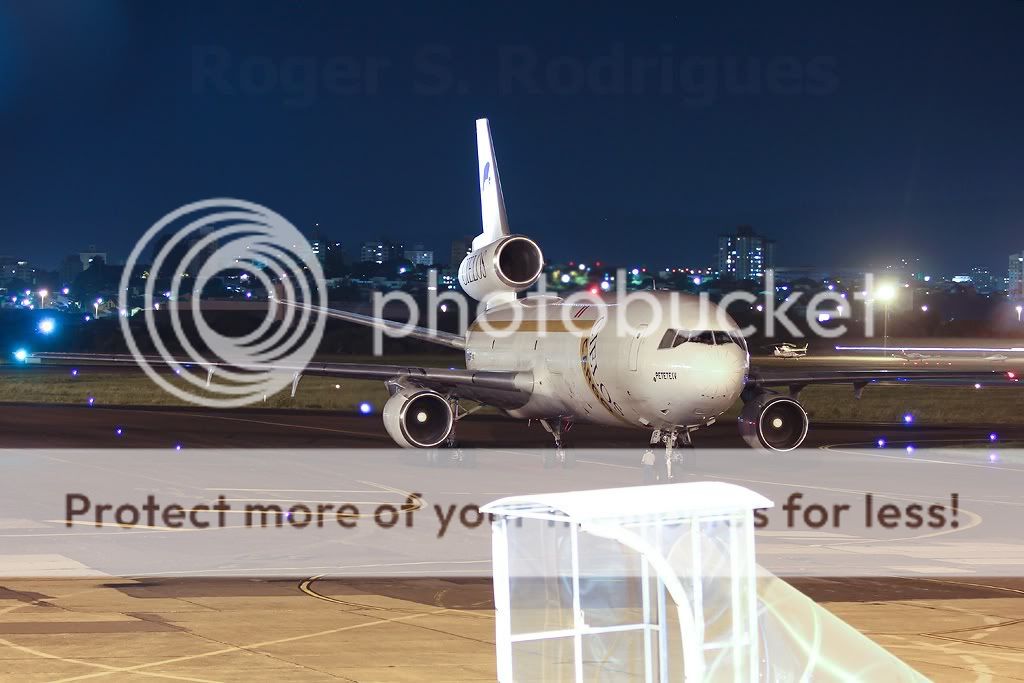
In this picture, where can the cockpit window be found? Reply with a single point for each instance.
(703, 337)
(673, 338)
(723, 338)
(667, 339)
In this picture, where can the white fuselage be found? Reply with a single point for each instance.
(601, 373)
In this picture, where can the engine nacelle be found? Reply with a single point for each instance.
(418, 418)
(773, 422)
(505, 266)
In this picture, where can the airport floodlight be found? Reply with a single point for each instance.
(886, 293)
(657, 583)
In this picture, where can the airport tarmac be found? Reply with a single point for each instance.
(78, 426)
(438, 629)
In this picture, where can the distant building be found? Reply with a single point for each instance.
(420, 256)
(86, 257)
(16, 270)
(70, 268)
(983, 280)
(381, 251)
(1016, 280)
(745, 255)
(460, 247)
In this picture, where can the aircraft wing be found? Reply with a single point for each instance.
(797, 379)
(500, 389)
(433, 336)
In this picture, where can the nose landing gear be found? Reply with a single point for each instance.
(560, 456)
(659, 470)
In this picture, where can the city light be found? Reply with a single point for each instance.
(96, 306)
(65, 291)
(43, 293)
(924, 309)
(47, 325)
(1019, 310)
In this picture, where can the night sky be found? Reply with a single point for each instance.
(849, 132)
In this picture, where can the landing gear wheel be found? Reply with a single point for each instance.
(560, 456)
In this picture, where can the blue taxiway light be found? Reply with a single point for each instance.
(881, 443)
(365, 408)
(908, 419)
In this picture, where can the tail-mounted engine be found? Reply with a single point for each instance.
(505, 266)
(418, 418)
(773, 422)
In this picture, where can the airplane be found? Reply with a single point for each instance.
(669, 379)
(787, 350)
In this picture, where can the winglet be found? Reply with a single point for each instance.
(492, 204)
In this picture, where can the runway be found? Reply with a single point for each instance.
(80, 426)
(330, 627)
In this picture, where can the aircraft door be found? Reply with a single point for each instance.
(634, 347)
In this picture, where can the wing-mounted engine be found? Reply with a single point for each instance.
(418, 418)
(773, 422)
(509, 265)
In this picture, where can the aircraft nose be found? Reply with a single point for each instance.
(723, 375)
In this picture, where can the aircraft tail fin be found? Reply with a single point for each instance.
(492, 203)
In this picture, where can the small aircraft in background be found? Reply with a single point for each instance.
(787, 350)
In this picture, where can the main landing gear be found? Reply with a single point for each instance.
(452, 453)
(557, 428)
(659, 470)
